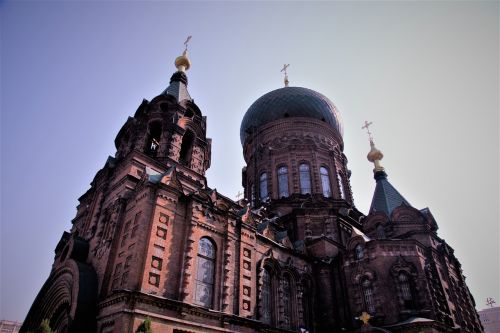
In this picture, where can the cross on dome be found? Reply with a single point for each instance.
(285, 66)
(182, 62)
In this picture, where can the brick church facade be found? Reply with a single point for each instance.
(151, 240)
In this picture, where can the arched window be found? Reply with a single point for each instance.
(186, 148)
(341, 186)
(305, 178)
(263, 186)
(205, 272)
(366, 285)
(266, 297)
(154, 135)
(283, 182)
(287, 301)
(406, 290)
(359, 251)
(405, 286)
(325, 182)
(380, 231)
(307, 305)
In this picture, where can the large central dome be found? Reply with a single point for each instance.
(290, 102)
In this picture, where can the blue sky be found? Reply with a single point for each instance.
(426, 73)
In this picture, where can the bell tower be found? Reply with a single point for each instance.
(170, 129)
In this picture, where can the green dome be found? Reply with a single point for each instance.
(290, 102)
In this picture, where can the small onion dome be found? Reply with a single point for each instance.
(374, 154)
(182, 62)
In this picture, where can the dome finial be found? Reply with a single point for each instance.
(285, 66)
(182, 62)
(374, 155)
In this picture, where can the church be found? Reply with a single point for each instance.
(153, 248)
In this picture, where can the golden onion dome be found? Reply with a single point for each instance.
(182, 62)
(374, 154)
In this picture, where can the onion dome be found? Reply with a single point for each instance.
(374, 156)
(385, 198)
(290, 102)
(179, 80)
(182, 62)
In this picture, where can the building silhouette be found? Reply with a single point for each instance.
(490, 319)
(151, 240)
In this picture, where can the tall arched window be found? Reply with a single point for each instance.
(287, 301)
(325, 182)
(341, 186)
(305, 178)
(186, 148)
(405, 287)
(154, 136)
(266, 297)
(263, 186)
(366, 285)
(205, 273)
(380, 231)
(359, 251)
(283, 182)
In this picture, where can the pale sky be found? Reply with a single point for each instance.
(426, 74)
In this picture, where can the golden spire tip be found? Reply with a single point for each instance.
(375, 155)
(182, 62)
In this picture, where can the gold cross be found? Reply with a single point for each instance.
(238, 195)
(285, 66)
(490, 301)
(367, 126)
(365, 317)
(186, 42)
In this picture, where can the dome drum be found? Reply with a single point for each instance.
(287, 146)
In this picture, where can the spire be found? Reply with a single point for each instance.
(179, 80)
(386, 198)
(182, 62)
(375, 155)
(285, 66)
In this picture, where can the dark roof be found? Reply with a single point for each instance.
(290, 102)
(178, 87)
(386, 197)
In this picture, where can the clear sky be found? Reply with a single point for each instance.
(426, 73)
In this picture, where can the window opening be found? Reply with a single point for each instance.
(380, 231)
(266, 297)
(283, 182)
(305, 179)
(205, 273)
(153, 143)
(263, 186)
(325, 182)
(368, 295)
(359, 250)
(186, 148)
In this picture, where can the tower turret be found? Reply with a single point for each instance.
(171, 128)
(386, 198)
(292, 143)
